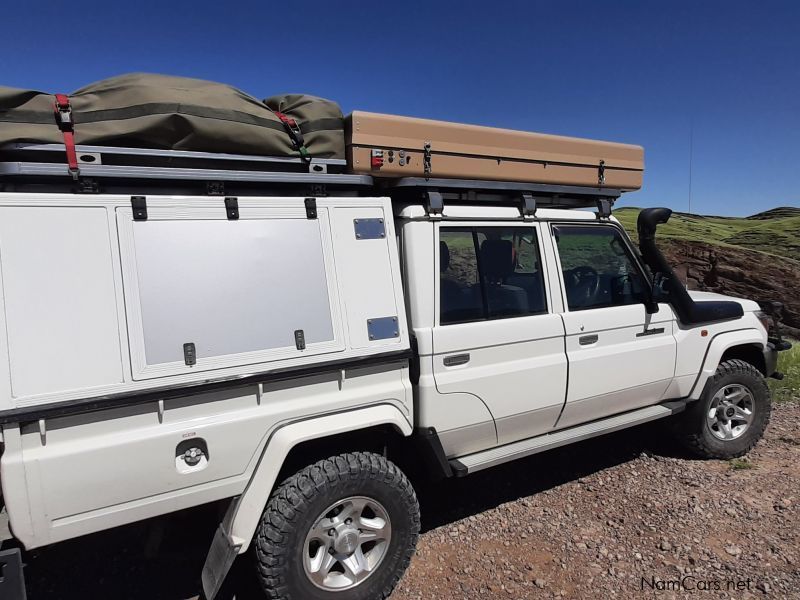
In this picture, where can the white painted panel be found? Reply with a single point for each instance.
(60, 306)
(369, 285)
(621, 358)
(516, 366)
(230, 288)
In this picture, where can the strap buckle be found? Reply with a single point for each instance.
(295, 133)
(66, 124)
(63, 113)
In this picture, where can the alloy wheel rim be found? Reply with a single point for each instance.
(346, 543)
(731, 412)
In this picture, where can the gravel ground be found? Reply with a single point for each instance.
(653, 526)
(618, 516)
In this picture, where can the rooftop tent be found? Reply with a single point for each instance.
(156, 111)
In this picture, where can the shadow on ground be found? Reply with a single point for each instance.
(161, 559)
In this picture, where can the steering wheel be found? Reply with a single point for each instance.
(585, 283)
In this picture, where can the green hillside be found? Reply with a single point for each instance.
(775, 231)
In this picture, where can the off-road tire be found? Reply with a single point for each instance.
(692, 431)
(300, 499)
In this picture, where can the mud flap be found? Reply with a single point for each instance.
(12, 580)
(218, 562)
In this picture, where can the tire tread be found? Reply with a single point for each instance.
(695, 440)
(294, 494)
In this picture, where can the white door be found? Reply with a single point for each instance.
(495, 335)
(620, 357)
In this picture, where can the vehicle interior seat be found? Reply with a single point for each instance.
(498, 263)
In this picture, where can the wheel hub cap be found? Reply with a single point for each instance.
(731, 412)
(346, 543)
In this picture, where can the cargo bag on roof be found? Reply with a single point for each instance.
(176, 113)
(392, 146)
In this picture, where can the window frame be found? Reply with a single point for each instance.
(627, 245)
(473, 227)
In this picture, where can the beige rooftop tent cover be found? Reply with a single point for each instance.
(392, 146)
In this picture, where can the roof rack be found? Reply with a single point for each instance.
(107, 164)
(433, 192)
(26, 167)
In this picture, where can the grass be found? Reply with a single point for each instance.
(775, 232)
(740, 464)
(789, 365)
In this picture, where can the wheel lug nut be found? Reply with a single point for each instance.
(348, 521)
(331, 532)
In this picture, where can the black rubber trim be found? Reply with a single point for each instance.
(96, 403)
(676, 406)
(647, 332)
(431, 449)
(459, 469)
(12, 578)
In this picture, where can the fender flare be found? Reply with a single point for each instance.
(719, 344)
(242, 519)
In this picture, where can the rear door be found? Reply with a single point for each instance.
(495, 335)
(620, 357)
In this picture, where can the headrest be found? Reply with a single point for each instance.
(444, 256)
(497, 258)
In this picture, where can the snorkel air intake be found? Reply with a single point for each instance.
(689, 312)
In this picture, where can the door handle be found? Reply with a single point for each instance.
(586, 340)
(455, 360)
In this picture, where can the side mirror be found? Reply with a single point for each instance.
(658, 293)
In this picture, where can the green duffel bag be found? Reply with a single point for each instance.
(157, 111)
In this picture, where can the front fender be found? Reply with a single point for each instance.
(242, 520)
(720, 343)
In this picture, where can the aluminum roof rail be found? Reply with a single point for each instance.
(499, 192)
(102, 168)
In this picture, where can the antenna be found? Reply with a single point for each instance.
(691, 152)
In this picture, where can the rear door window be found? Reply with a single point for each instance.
(489, 273)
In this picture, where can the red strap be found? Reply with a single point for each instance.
(286, 120)
(63, 111)
(293, 129)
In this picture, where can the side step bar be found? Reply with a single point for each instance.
(495, 456)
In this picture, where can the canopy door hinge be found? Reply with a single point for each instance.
(311, 208)
(139, 206)
(232, 208)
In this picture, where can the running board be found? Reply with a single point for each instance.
(495, 456)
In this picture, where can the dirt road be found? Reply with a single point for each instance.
(619, 516)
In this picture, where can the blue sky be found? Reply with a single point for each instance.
(634, 71)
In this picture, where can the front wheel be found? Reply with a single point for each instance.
(344, 528)
(730, 416)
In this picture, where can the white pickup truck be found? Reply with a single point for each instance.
(303, 346)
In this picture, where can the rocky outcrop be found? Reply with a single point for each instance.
(738, 272)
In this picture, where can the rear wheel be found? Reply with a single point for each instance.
(730, 416)
(344, 528)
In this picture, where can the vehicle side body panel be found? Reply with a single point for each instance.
(89, 472)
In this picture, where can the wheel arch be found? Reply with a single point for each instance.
(749, 353)
(744, 344)
(307, 439)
